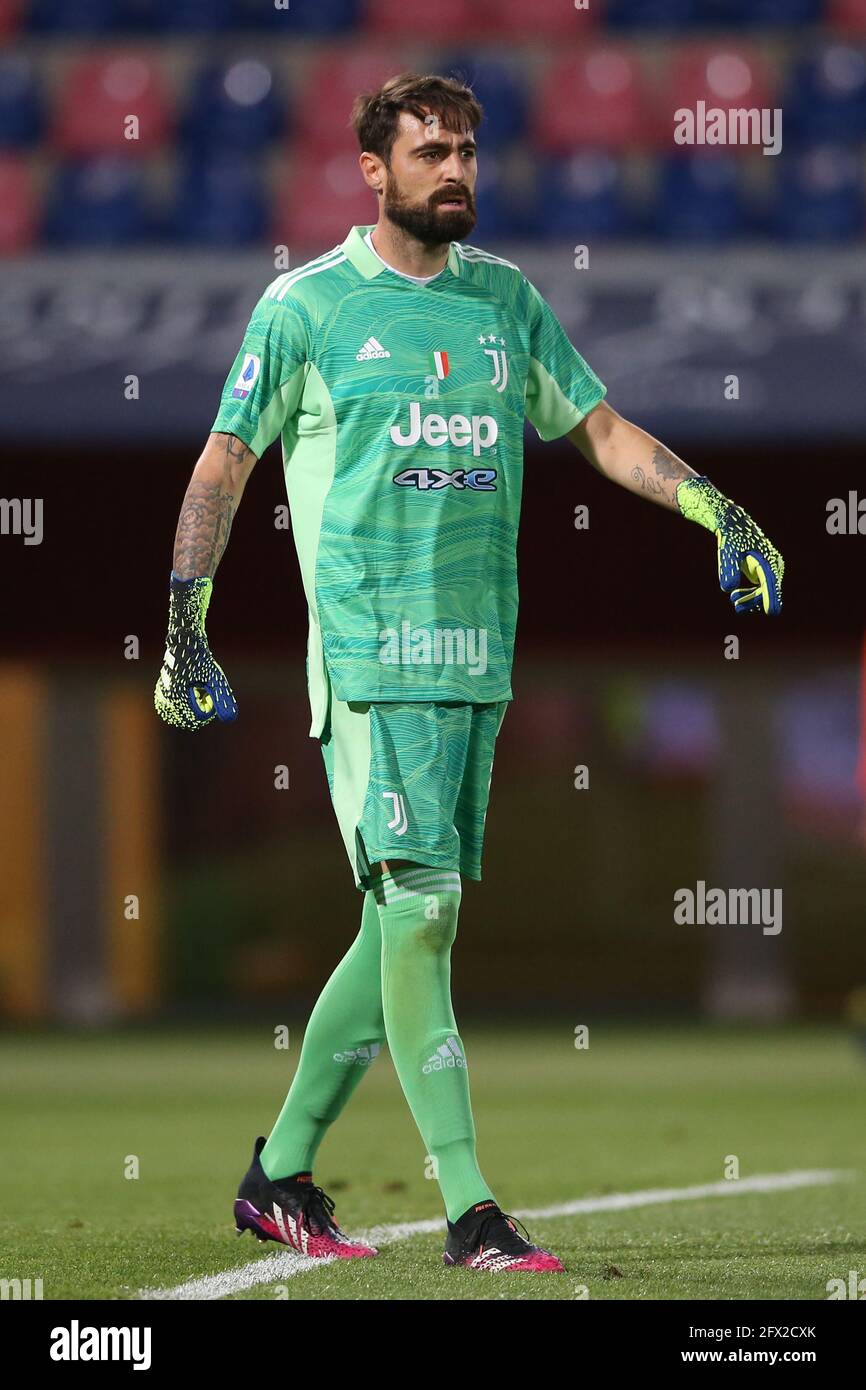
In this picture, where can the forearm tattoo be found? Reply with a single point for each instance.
(647, 484)
(206, 516)
(663, 475)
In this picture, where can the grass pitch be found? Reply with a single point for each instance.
(654, 1107)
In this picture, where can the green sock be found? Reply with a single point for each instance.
(344, 1034)
(418, 910)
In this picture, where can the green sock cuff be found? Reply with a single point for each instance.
(409, 882)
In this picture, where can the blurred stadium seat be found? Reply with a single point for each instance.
(99, 94)
(826, 98)
(234, 107)
(307, 16)
(21, 107)
(700, 199)
(82, 17)
(332, 82)
(319, 198)
(820, 197)
(760, 14)
(505, 206)
(848, 15)
(183, 16)
(592, 99)
(11, 13)
(98, 203)
(502, 91)
(454, 19)
(582, 196)
(17, 206)
(219, 203)
(722, 75)
(652, 14)
(542, 19)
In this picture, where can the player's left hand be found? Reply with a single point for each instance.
(743, 551)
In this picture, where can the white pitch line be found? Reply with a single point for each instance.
(274, 1269)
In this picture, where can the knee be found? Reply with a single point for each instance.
(434, 928)
(426, 924)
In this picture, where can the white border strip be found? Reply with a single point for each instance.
(275, 1269)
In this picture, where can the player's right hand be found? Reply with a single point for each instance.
(192, 689)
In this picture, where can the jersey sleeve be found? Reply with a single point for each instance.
(264, 386)
(560, 387)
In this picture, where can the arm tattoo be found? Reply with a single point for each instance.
(663, 475)
(648, 484)
(667, 465)
(206, 517)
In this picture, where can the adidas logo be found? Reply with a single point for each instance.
(493, 1259)
(372, 348)
(363, 1056)
(450, 1054)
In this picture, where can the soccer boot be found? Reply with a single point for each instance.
(487, 1238)
(296, 1213)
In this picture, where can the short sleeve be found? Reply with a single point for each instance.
(264, 386)
(560, 387)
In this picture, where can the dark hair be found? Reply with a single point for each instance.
(375, 115)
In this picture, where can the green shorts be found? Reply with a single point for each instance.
(411, 780)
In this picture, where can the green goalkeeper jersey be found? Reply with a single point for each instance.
(400, 409)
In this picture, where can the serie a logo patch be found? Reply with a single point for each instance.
(247, 376)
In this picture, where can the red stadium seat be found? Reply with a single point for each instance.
(453, 20)
(849, 15)
(325, 105)
(721, 75)
(17, 206)
(97, 96)
(592, 99)
(11, 13)
(319, 199)
(552, 19)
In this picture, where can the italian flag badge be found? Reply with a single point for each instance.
(442, 368)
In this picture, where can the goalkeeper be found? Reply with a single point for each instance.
(397, 370)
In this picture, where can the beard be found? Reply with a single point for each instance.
(428, 223)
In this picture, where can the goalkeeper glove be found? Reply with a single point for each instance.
(192, 689)
(743, 550)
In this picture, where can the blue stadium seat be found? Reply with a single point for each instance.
(652, 14)
(82, 17)
(581, 196)
(234, 107)
(219, 203)
(21, 109)
(759, 14)
(700, 199)
(502, 93)
(303, 17)
(819, 196)
(97, 203)
(195, 16)
(826, 98)
(504, 209)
